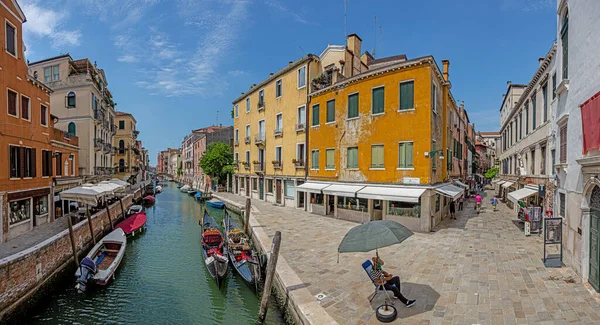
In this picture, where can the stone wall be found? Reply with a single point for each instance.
(24, 273)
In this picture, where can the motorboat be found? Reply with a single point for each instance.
(149, 200)
(185, 188)
(214, 203)
(191, 192)
(134, 209)
(158, 189)
(202, 196)
(133, 224)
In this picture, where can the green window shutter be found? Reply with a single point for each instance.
(378, 100)
(352, 105)
(377, 156)
(331, 111)
(352, 157)
(401, 155)
(315, 115)
(330, 154)
(315, 159)
(409, 155)
(407, 95)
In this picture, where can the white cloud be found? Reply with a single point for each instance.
(236, 73)
(283, 9)
(528, 5)
(127, 59)
(48, 23)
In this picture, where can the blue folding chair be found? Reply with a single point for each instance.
(368, 266)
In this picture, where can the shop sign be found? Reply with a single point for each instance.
(411, 180)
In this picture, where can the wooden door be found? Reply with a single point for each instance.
(278, 191)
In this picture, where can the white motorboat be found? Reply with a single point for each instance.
(134, 209)
(185, 188)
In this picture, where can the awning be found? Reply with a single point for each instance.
(400, 194)
(520, 194)
(312, 187)
(86, 193)
(507, 184)
(459, 183)
(451, 191)
(342, 189)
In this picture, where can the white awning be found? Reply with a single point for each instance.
(451, 191)
(400, 194)
(312, 187)
(520, 194)
(507, 184)
(459, 183)
(86, 193)
(342, 189)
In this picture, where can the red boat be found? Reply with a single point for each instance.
(132, 224)
(149, 199)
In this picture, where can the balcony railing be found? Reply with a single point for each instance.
(260, 106)
(99, 116)
(276, 164)
(259, 139)
(98, 144)
(300, 127)
(136, 133)
(278, 132)
(259, 167)
(247, 140)
(298, 163)
(107, 147)
(320, 82)
(246, 165)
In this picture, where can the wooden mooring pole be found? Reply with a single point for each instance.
(247, 215)
(73, 246)
(112, 227)
(271, 265)
(122, 210)
(89, 218)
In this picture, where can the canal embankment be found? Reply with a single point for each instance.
(26, 274)
(295, 301)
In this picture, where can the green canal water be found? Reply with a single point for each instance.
(162, 279)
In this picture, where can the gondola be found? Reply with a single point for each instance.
(213, 250)
(240, 252)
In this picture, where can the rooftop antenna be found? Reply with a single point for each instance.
(375, 32)
(303, 51)
(345, 34)
(381, 40)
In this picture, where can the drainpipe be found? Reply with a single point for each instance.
(307, 128)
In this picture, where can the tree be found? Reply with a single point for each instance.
(217, 161)
(491, 173)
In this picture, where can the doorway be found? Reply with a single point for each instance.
(261, 188)
(247, 186)
(237, 184)
(594, 277)
(278, 191)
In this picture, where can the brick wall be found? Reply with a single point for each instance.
(23, 273)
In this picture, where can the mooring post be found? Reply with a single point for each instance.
(73, 246)
(247, 215)
(122, 210)
(271, 265)
(112, 227)
(89, 218)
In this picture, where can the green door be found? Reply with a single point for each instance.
(261, 188)
(594, 277)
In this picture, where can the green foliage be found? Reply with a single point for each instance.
(491, 173)
(232, 113)
(217, 161)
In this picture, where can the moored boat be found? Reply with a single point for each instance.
(191, 192)
(240, 252)
(133, 224)
(201, 196)
(134, 209)
(100, 264)
(149, 200)
(158, 189)
(213, 252)
(185, 188)
(215, 204)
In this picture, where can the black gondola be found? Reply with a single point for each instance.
(240, 252)
(213, 251)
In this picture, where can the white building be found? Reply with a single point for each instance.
(576, 142)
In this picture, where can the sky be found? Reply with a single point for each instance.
(177, 65)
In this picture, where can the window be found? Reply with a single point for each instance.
(545, 102)
(44, 115)
(237, 136)
(19, 211)
(73, 166)
(25, 108)
(71, 99)
(315, 115)
(533, 111)
(237, 110)
(300, 151)
(377, 156)
(563, 204)
(564, 32)
(404, 209)
(563, 144)
(121, 165)
(314, 159)
(237, 157)
(15, 162)
(52, 74)
(12, 103)
(437, 203)
(269, 185)
(543, 161)
(533, 162)
(11, 39)
(278, 88)
(526, 118)
(72, 129)
(352, 157)
(407, 95)
(40, 205)
(254, 184)
(247, 104)
(353, 105)
(121, 147)
(279, 123)
(329, 159)
(288, 188)
(261, 98)
(433, 97)
(278, 154)
(59, 164)
(301, 77)
(121, 125)
(554, 86)
(553, 159)
(28, 162)
(331, 111)
(520, 125)
(247, 157)
(301, 117)
(378, 100)
(46, 163)
(405, 155)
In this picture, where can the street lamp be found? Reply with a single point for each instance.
(431, 154)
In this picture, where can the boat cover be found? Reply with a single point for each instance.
(133, 223)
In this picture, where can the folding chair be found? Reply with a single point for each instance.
(368, 266)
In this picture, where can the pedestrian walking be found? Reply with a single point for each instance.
(460, 203)
(452, 210)
(494, 202)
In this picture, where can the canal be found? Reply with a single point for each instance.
(162, 279)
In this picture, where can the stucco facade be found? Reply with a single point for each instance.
(125, 143)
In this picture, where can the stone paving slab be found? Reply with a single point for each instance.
(479, 269)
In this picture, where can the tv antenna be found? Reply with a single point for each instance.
(345, 33)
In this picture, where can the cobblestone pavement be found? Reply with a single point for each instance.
(479, 269)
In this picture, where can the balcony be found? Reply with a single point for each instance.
(278, 132)
(300, 127)
(259, 139)
(321, 82)
(98, 144)
(107, 148)
(64, 137)
(259, 167)
(247, 140)
(136, 133)
(246, 165)
(276, 164)
(236, 165)
(260, 106)
(298, 163)
(98, 116)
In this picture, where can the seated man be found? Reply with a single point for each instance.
(390, 282)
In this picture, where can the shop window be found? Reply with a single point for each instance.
(351, 203)
(269, 186)
(40, 205)
(316, 198)
(19, 211)
(289, 188)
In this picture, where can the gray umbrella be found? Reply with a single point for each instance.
(373, 235)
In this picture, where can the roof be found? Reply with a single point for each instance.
(119, 113)
(387, 60)
(511, 85)
(493, 134)
(276, 75)
(52, 58)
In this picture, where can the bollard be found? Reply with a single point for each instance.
(73, 246)
(247, 215)
(89, 218)
(271, 265)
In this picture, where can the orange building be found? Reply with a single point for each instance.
(34, 154)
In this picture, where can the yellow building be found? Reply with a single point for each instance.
(378, 141)
(127, 153)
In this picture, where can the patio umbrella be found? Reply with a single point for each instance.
(373, 235)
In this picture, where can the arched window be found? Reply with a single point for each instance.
(595, 198)
(71, 99)
(121, 146)
(121, 165)
(72, 129)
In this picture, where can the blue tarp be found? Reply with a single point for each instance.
(198, 194)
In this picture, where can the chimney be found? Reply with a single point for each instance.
(446, 64)
(291, 62)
